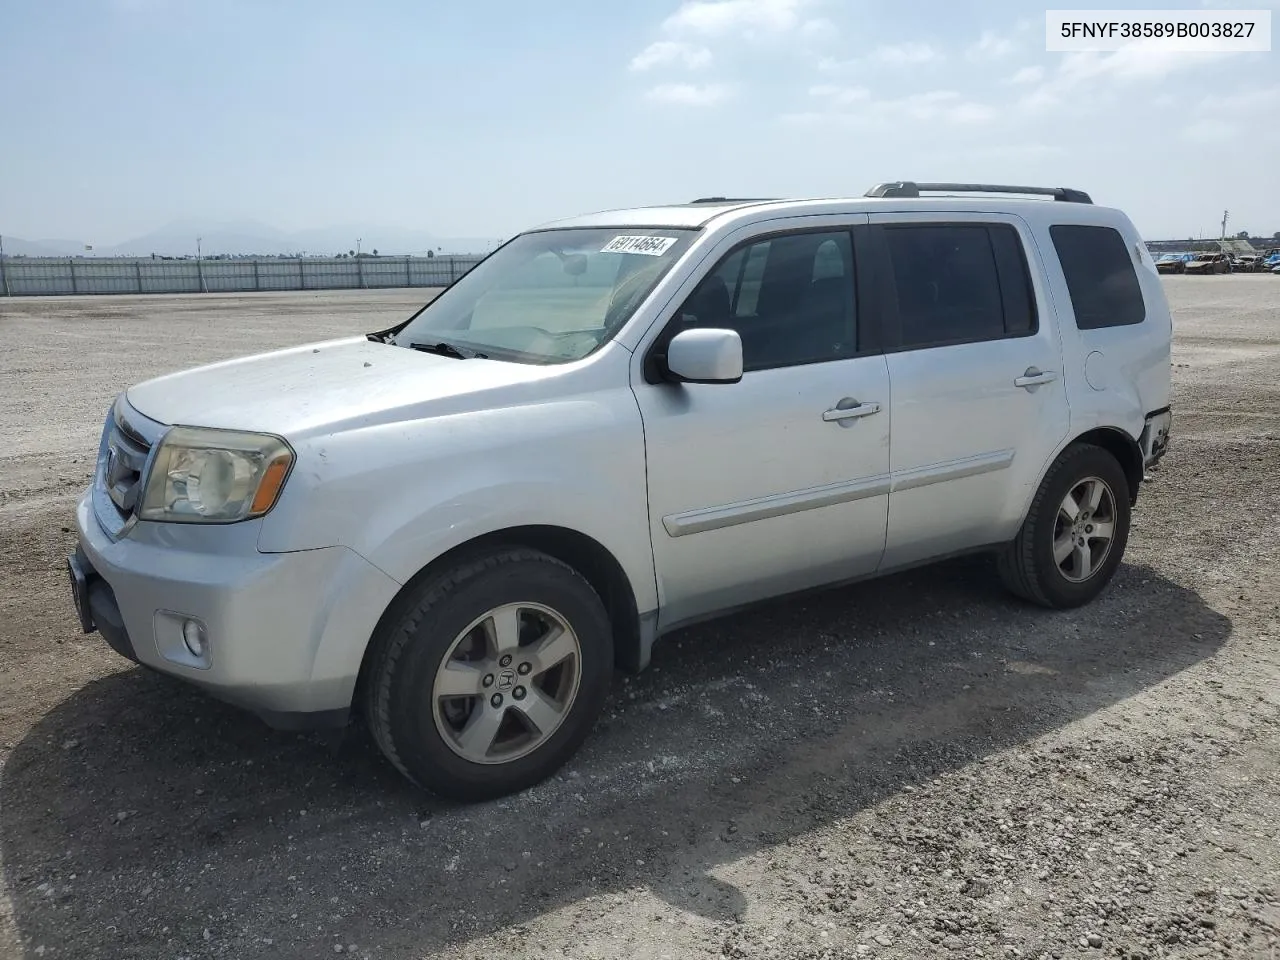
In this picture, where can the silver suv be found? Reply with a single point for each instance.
(616, 425)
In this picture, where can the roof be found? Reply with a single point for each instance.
(689, 215)
(701, 214)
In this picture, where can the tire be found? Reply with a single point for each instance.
(447, 637)
(1029, 567)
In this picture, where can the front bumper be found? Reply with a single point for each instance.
(281, 634)
(96, 606)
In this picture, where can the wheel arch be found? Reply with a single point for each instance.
(597, 565)
(1123, 447)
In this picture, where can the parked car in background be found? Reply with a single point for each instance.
(1205, 263)
(1246, 263)
(1173, 262)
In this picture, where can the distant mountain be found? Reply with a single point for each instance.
(177, 240)
(247, 237)
(16, 247)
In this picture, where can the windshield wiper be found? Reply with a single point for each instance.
(446, 350)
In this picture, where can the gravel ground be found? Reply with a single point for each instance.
(917, 767)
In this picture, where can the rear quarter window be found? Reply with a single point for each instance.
(1100, 277)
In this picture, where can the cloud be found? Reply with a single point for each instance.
(990, 46)
(671, 52)
(698, 25)
(910, 54)
(831, 65)
(905, 54)
(840, 96)
(1229, 120)
(1258, 102)
(1027, 75)
(932, 105)
(1210, 130)
(819, 28)
(1138, 62)
(1081, 71)
(970, 112)
(1009, 152)
(690, 94)
(854, 105)
(714, 18)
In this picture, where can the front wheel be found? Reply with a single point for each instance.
(1075, 533)
(492, 676)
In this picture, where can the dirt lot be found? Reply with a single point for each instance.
(917, 767)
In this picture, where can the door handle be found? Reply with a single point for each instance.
(849, 413)
(1035, 377)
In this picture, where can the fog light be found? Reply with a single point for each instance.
(193, 637)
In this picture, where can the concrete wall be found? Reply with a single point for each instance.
(47, 276)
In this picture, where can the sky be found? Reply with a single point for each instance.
(480, 118)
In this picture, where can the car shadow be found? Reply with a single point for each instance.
(139, 818)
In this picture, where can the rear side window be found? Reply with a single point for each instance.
(1103, 285)
(959, 283)
(1015, 282)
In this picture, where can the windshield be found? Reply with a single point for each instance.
(549, 297)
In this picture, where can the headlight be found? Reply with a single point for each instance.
(214, 476)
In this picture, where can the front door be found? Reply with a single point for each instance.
(779, 482)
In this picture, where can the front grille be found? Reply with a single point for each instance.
(122, 471)
(127, 439)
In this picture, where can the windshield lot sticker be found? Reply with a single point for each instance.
(649, 246)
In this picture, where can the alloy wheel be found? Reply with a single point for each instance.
(507, 683)
(1085, 529)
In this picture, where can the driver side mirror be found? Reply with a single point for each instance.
(705, 356)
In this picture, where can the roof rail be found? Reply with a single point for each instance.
(730, 200)
(906, 188)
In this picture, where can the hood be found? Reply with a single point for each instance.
(327, 386)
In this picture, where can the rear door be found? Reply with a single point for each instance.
(975, 367)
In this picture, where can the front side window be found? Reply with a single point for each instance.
(959, 283)
(789, 297)
(1100, 277)
(549, 297)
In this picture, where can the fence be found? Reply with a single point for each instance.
(50, 276)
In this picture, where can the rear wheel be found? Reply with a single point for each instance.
(492, 677)
(1075, 533)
